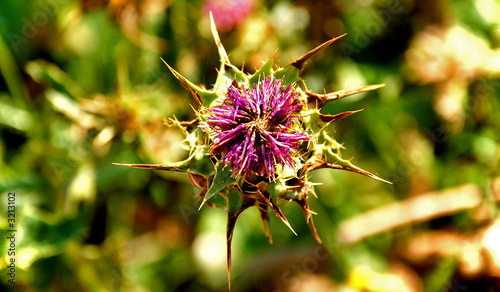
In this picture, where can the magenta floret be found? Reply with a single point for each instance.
(255, 130)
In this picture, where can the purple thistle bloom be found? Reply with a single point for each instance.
(255, 133)
(228, 13)
(255, 130)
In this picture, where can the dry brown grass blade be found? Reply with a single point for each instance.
(413, 210)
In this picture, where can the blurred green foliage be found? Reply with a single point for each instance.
(83, 86)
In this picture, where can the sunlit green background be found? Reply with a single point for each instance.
(83, 86)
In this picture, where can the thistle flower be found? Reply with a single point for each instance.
(228, 13)
(256, 129)
(257, 138)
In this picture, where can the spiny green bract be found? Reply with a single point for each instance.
(276, 123)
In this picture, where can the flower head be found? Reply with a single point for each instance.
(228, 13)
(256, 129)
(257, 124)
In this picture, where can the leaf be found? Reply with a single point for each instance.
(13, 79)
(318, 121)
(321, 99)
(17, 118)
(235, 206)
(299, 63)
(334, 161)
(304, 205)
(222, 179)
(227, 71)
(203, 97)
(266, 70)
(198, 163)
(353, 168)
(290, 75)
(270, 193)
(50, 74)
(291, 72)
(264, 215)
(333, 118)
(222, 52)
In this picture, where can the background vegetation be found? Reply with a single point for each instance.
(83, 86)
